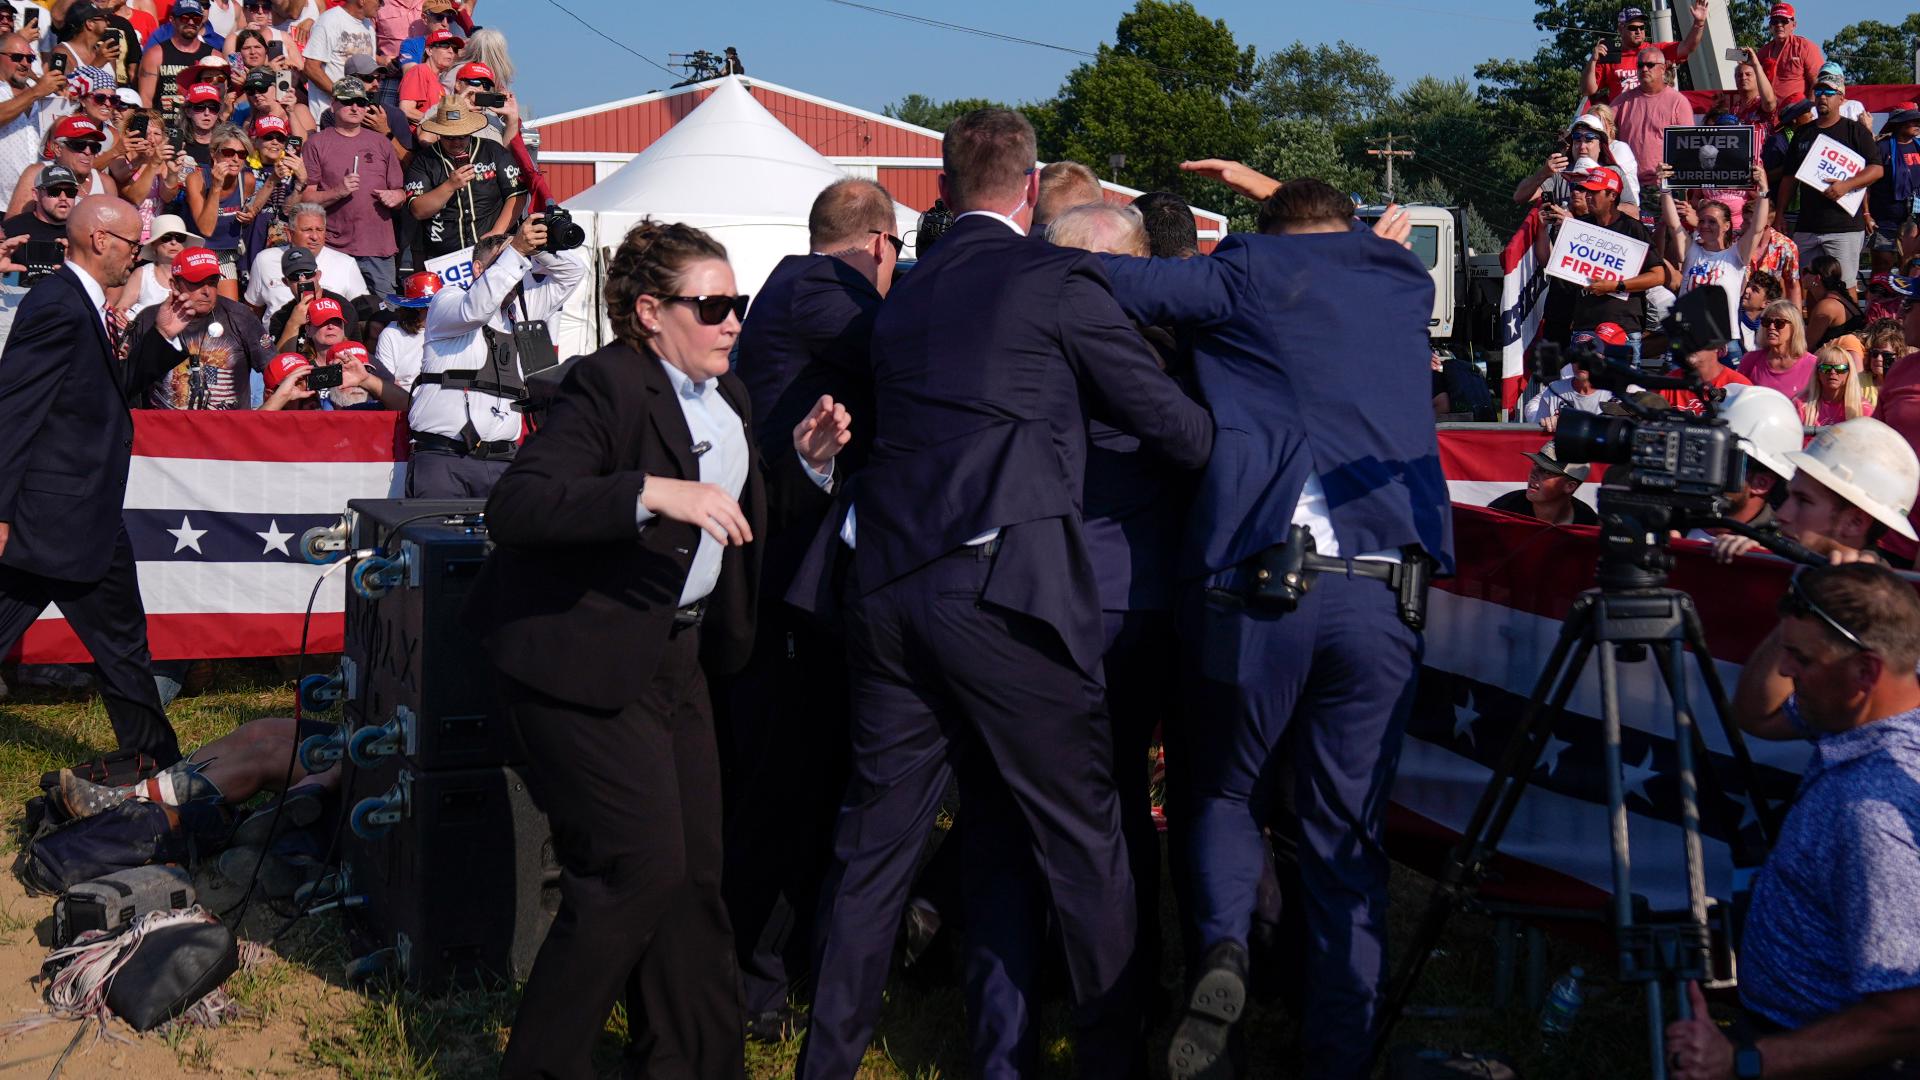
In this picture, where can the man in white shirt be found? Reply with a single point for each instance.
(465, 428)
(26, 103)
(343, 31)
(1576, 392)
(268, 290)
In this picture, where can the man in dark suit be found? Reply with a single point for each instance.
(625, 564)
(1314, 686)
(786, 761)
(973, 622)
(67, 439)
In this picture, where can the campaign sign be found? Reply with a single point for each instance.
(1710, 157)
(455, 268)
(1829, 161)
(1586, 253)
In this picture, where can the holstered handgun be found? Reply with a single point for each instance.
(1280, 576)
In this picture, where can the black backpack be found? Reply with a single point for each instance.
(134, 833)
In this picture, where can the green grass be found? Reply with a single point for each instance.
(386, 1032)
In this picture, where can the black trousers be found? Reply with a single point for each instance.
(633, 798)
(111, 622)
(440, 474)
(786, 770)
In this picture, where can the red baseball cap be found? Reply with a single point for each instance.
(325, 310)
(201, 93)
(1610, 333)
(76, 127)
(475, 70)
(196, 265)
(271, 125)
(285, 366)
(444, 37)
(1603, 178)
(1780, 11)
(348, 350)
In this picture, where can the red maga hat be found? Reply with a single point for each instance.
(348, 350)
(325, 310)
(285, 366)
(475, 70)
(196, 265)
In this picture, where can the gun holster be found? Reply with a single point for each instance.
(1279, 576)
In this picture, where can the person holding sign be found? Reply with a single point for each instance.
(1831, 164)
(1701, 242)
(1614, 272)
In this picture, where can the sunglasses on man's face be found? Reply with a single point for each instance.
(899, 245)
(1826, 91)
(83, 147)
(1651, 64)
(63, 192)
(712, 310)
(477, 84)
(21, 58)
(350, 103)
(267, 8)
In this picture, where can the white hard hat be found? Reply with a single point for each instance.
(1767, 424)
(1868, 464)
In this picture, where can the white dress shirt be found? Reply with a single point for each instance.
(1312, 512)
(848, 531)
(720, 449)
(267, 287)
(96, 295)
(454, 341)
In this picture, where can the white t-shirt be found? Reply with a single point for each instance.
(1723, 268)
(400, 353)
(1560, 396)
(336, 36)
(1629, 172)
(20, 141)
(338, 274)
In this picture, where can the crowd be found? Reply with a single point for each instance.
(766, 586)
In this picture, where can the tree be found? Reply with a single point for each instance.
(1873, 52)
(1336, 84)
(927, 113)
(1172, 87)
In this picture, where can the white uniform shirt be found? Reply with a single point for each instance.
(454, 341)
(720, 442)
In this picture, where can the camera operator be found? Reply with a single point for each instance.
(465, 428)
(1854, 482)
(460, 187)
(1768, 428)
(1830, 960)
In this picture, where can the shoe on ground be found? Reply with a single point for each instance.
(1202, 1044)
(304, 806)
(776, 1025)
(55, 676)
(280, 873)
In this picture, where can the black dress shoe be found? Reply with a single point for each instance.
(1201, 1044)
(775, 1025)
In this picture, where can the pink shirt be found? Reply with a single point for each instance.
(1643, 119)
(422, 84)
(397, 21)
(1791, 382)
(1791, 66)
(358, 224)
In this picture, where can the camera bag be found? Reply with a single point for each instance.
(134, 833)
(112, 903)
(170, 969)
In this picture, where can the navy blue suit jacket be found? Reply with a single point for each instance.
(1312, 352)
(988, 360)
(807, 335)
(66, 436)
(1136, 505)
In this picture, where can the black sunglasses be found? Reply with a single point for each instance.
(19, 57)
(899, 245)
(1797, 602)
(712, 310)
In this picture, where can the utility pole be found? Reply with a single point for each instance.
(1389, 153)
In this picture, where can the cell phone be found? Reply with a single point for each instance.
(276, 50)
(294, 144)
(483, 99)
(326, 377)
(41, 256)
(58, 62)
(138, 123)
(1736, 54)
(32, 15)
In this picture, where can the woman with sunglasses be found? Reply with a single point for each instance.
(1831, 307)
(278, 176)
(75, 142)
(152, 280)
(222, 201)
(1782, 361)
(1589, 139)
(1833, 394)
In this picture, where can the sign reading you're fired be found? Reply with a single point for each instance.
(1586, 253)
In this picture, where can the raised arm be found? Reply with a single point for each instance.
(1178, 292)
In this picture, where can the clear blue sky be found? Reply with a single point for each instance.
(869, 60)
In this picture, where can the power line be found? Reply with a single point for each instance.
(613, 41)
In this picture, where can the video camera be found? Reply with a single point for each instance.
(1678, 467)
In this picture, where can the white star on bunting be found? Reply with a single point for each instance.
(1550, 756)
(1636, 776)
(275, 539)
(1463, 717)
(186, 536)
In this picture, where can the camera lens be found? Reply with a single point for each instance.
(1583, 436)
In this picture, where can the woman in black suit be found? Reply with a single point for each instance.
(625, 569)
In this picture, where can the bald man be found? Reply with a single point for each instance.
(67, 435)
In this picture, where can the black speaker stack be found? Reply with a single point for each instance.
(452, 863)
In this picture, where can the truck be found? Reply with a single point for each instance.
(1466, 301)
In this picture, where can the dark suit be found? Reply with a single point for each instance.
(605, 687)
(67, 437)
(983, 660)
(786, 763)
(1312, 351)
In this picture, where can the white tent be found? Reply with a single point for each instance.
(728, 167)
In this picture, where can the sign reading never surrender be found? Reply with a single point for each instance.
(1714, 157)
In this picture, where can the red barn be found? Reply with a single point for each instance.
(580, 148)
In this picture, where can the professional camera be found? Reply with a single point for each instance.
(1674, 469)
(562, 233)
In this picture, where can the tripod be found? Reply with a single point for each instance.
(1631, 614)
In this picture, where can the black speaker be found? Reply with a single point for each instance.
(457, 868)
(414, 664)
